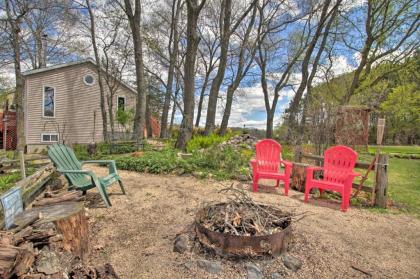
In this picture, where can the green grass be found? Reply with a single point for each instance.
(399, 151)
(404, 183)
(403, 180)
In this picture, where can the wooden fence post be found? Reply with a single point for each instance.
(381, 180)
(298, 154)
(22, 165)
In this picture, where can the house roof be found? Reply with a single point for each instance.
(70, 64)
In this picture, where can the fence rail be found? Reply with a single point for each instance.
(16, 164)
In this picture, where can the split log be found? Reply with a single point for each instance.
(20, 236)
(8, 256)
(15, 260)
(70, 196)
(298, 176)
(70, 221)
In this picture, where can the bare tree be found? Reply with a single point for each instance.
(328, 15)
(245, 58)
(194, 8)
(227, 27)
(207, 54)
(173, 55)
(15, 11)
(268, 44)
(134, 18)
(390, 35)
(92, 29)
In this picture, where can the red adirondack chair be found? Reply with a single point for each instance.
(267, 164)
(339, 162)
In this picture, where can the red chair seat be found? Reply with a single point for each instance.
(267, 162)
(339, 162)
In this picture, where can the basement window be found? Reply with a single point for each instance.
(49, 137)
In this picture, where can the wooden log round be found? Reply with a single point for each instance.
(70, 221)
(298, 176)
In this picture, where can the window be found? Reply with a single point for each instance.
(48, 109)
(49, 137)
(88, 79)
(121, 103)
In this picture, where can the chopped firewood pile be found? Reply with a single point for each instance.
(50, 240)
(242, 216)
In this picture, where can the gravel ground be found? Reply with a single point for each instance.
(136, 235)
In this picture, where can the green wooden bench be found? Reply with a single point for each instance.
(66, 163)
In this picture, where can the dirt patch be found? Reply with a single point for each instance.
(136, 235)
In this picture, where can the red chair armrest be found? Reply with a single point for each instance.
(253, 162)
(314, 168)
(286, 163)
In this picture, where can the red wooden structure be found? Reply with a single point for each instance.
(8, 137)
(267, 164)
(339, 162)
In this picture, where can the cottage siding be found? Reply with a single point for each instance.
(75, 105)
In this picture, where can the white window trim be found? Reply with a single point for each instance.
(93, 77)
(55, 134)
(125, 102)
(43, 97)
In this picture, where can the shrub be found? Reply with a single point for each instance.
(221, 163)
(202, 142)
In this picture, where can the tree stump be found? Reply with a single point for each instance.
(70, 222)
(299, 176)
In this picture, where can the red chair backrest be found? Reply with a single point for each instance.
(268, 155)
(339, 161)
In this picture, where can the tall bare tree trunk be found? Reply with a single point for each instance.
(201, 100)
(99, 71)
(241, 71)
(18, 98)
(193, 11)
(174, 104)
(218, 79)
(226, 30)
(134, 19)
(295, 103)
(173, 55)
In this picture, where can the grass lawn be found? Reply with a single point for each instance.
(396, 149)
(403, 178)
(404, 183)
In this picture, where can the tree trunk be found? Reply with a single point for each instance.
(200, 101)
(173, 52)
(18, 98)
(270, 123)
(295, 103)
(174, 106)
(193, 11)
(99, 71)
(140, 114)
(149, 130)
(241, 71)
(70, 221)
(228, 109)
(218, 79)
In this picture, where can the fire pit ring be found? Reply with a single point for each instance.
(240, 245)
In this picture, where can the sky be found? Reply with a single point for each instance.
(248, 108)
